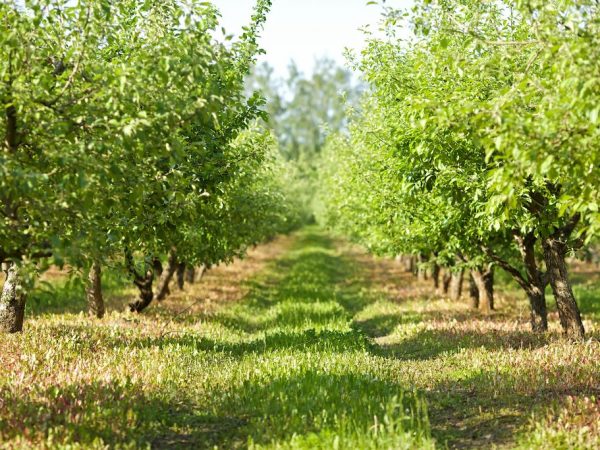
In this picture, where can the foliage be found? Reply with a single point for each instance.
(127, 128)
(468, 150)
(302, 111)
(134, 122)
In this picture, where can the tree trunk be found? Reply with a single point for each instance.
(555, 251)
(94, 292)
(484, 279)
(456, 285)
(142, 282)
(180, 275)
(532, 282)
(162, 289)
(435, 275)
(157, 266)
(446, 279)
(414, 265)
(421, 271)
(190, 274)
(473, 292)
(408, 263)
(201, 272)
(158, 271)
(12, 300)
(539, 313)
(534, 285)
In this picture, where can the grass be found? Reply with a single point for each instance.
(60, 294)
(488, 381)
(284, 368)
(310, 345)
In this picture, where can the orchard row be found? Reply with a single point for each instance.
(478, 145)
(127, 138)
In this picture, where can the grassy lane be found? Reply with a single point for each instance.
(307, 344)
(287, 367)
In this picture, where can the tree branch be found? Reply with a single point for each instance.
(516, 274)
(565, 231)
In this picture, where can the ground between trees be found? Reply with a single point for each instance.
(301, 351)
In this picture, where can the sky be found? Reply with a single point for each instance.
(303, 30)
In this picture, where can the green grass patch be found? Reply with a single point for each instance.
(284, 368)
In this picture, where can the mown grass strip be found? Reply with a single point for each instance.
(284, 368)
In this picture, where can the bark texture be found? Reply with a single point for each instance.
(157, 266)
(421, 271)
(555, 251)
(535, 287)
(473, 292)
(532, 281)
(93, 292)
(143, 282)
(435, 276)
(180, 276)
(456, 285)
(484, 279)
(190, 274)
(144, 285)
(408, 263)
(12, 300)
(162, 289)
(446, 280)
(539, 312)
(201, 272)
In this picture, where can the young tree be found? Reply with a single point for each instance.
(117, 120)
(468, 142)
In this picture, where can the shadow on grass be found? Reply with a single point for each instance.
(251, 320)
(61, 296)
(312, 401)
(313, 340)
(489, 407)
(464, 414)
(115, 414)
(68, 295)
(305, 302)
(313, 288)
(383, 324)
(265, 410)
(429, 344)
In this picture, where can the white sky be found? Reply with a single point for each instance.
(303, 30)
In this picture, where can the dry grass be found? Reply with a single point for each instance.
(281, 369)
(221, 284)
(489, 380)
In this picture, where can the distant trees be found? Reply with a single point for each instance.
(127, 134)
(303, 110)
(478, 144)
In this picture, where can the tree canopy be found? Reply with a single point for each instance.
(477, 144)
(127, 128)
